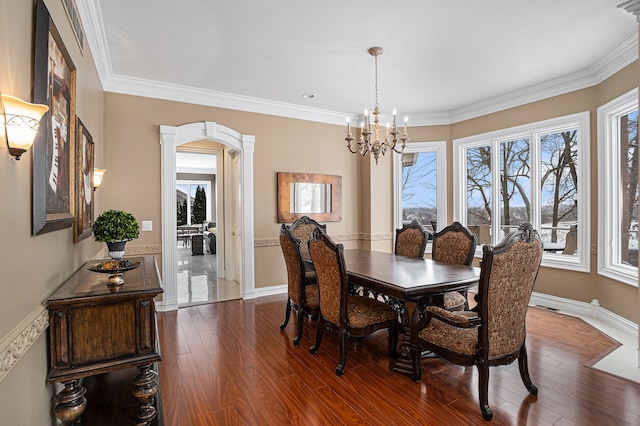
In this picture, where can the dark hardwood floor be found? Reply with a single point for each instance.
(228, 363)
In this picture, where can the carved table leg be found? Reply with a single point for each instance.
(414, 310)
(70, 402)
(145, 388)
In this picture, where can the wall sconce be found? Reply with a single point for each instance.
(21, 122)
(97, 177)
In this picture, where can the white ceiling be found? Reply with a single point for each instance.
(189, 162)
(443, 61)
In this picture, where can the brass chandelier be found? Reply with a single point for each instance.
(364, 145)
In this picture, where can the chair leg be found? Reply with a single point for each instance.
(287, 314)
(299, 325)
(523, 364)
(320, 330)
(343, 336)
(416, 362)
(466, 300)
(483, 389)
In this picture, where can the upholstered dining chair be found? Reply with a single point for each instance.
(302, 290)
(457, 245)
(302, 228)
(495, 333)
(341, 313)
(411, 240)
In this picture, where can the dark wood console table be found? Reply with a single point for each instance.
(95, 328)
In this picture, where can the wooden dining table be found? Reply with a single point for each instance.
(417, 282)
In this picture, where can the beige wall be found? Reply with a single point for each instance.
(33, 267)
(132, 132)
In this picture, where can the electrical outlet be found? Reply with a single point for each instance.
(147, 225)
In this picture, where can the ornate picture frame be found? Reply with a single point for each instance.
(53, 201)
(84, 183)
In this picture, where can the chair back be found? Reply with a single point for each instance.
(508, 274)
(454, 244)
(328, 260)
(571, 243)
(411, 240)
(295, 265)
(302, 229)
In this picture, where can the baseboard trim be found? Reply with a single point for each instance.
(20, 339)
(266, 291)
(577, 308)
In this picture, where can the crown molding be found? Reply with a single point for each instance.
(91, 17)
(633, 7)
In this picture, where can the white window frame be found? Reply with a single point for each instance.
(532, 131)
(190, 183)
(609, 191)
(440, 148)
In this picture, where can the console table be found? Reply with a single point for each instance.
(95, 329)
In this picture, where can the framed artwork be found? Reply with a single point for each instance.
(84, 183)
(53, 163)
(74, 19)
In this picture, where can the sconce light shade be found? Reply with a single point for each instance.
(21, 122)
(97, 177)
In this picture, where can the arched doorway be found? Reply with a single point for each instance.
(243, 145)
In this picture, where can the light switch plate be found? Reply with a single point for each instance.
(147, 225)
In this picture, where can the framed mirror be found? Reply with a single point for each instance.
(306, 194)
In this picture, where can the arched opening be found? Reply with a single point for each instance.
(240, 148)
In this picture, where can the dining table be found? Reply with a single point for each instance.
(418, 282)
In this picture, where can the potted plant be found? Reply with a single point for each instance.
(115, 227)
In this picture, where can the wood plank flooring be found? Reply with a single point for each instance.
(228, 363)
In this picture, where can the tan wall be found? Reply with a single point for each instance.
(132, 133)
(33, 267)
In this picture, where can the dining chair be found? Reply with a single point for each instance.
(303, 295)
(454, 244)
(411, 240)
(340, 313)
(495, 332)
(571, 243)
(302, 228)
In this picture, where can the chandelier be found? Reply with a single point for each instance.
(365, 145)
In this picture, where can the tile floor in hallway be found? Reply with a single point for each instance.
(198, 280)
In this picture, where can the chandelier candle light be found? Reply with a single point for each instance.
(365, 145)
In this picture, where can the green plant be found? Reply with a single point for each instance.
(115, 225)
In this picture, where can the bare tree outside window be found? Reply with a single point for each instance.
(419, 188)
(629, 167)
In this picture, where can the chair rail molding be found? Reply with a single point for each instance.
(17, 343)
(170, 138)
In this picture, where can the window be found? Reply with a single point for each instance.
(529, 173)
(420, 181)
(193, 202)
(618, 190)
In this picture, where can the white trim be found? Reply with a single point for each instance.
(170, 138)
(584, 309)
(91, 17)
(440, 148)
(609, 197)
(21, 338)
(267, 291)
(580, 121)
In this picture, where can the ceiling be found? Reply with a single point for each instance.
(443, 61)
